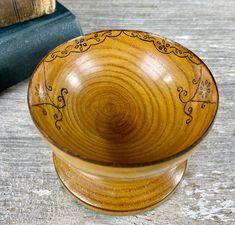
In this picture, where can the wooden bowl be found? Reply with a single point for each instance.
(122, 111)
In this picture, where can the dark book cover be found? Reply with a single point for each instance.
(16, 11)
(24, 45)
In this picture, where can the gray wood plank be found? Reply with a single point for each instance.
(30, 192)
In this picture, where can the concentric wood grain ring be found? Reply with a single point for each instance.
(121, 111)
(123, 97)
(118, 197)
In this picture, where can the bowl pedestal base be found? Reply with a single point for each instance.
(117, 197)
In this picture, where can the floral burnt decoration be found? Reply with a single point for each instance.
(162, 45)
(83, 44)
(45, 100)
(203, 88)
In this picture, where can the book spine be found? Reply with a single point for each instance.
(16, 11)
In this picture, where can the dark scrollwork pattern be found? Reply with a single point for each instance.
(162, 45)
(47, 100)
(202, 90)
(85, 43)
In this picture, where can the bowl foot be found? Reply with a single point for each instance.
(118, 197)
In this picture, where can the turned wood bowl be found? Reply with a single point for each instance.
(122, 111)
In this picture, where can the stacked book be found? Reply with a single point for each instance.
(29, 30)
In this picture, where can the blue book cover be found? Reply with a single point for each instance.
(24, 45)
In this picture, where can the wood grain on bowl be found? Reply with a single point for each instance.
(122, 102)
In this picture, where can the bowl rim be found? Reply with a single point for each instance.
(115, 164)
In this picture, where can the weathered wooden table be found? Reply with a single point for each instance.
(30, 192)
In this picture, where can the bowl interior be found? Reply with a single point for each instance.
(122, 97)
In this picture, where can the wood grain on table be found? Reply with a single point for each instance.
(30, 192)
